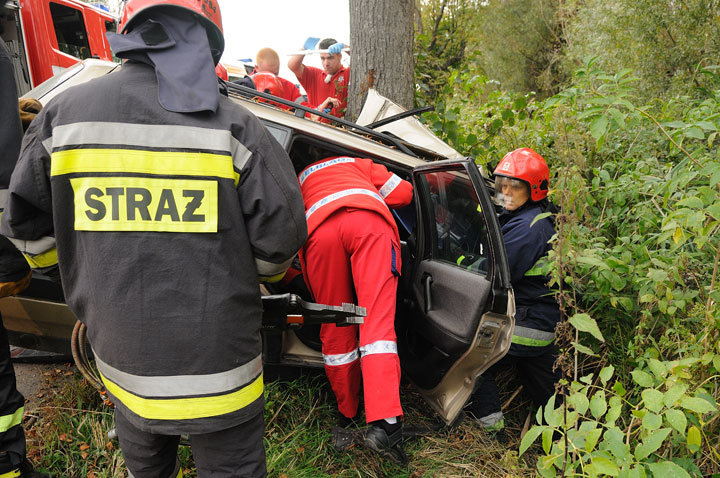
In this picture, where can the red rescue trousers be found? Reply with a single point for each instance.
(354, 252)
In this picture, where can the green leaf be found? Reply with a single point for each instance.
(674, 124)
(697, 405)
(613, 440)
(591, 439)
(540, 217)
(653, 399)
(692, 202)
(676, 419)
(614, 412)
(657, 368)
(606, 374)
(585, 323)
(598, 405)
(547, 435)
(693, 132)
(714, 210)
(651, 421)
(592, 261)
(667, 469)
(651, 443)
(706, 125)
(579, 402)
(530, 437)
(619, 389)
(643, 379)
(674, 394)
(602, 466)
(694, 439)
(637, 472)
(599, 126)
(583, 349)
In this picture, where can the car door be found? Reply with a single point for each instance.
(456, 318)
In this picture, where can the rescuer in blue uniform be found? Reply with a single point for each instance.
(522, 177)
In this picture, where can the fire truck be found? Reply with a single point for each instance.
(45, 37)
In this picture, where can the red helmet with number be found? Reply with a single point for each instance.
(527, 166)
(207, 11)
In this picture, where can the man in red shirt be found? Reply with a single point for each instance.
(353, 250)
(326, 86)
(268, 61)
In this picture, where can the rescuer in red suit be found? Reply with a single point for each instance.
(353, 250)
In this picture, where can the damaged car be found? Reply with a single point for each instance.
(455, 304)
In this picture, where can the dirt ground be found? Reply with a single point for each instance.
(37, 380)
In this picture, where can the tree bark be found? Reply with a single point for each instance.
(381, 43)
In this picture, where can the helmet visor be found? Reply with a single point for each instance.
(512, 183)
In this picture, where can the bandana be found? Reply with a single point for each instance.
(177, 46)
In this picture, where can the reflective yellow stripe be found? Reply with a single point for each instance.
(46, 259)
(187, 408)
(273, 279)
(179, 475)
(532, 337)
(11, 474)
(138, 161)
(145, 204)
(9, 421)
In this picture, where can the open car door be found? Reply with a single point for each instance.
(459, 319)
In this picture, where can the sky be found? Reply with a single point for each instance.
(282, 25)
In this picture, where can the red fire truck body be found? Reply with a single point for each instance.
(46, 36)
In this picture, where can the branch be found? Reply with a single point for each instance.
(437, 24)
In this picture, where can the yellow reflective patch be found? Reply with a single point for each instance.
(11, 474)
(165, 163)
(46, 259)
(9, 421)
(273, 279)
(187, 408)
(179, 475)
(145, 204)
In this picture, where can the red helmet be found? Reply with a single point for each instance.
(268, 83)
(221, 71)
(207, 11)
(527, 166)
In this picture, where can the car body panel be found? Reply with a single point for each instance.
(377, 107)
(469, 324)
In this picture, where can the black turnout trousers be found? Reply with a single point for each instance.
(232, 453)
(12, 437)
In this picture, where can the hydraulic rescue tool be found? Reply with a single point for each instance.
(280, 312)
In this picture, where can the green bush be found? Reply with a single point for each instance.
(634, 263)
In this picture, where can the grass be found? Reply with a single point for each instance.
(67, 436)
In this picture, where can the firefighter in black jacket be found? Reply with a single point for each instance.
(14, 277)
(169, 203)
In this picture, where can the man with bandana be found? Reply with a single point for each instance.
(168, 203)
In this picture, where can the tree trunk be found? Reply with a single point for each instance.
(381, 43)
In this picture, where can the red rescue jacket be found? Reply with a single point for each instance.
(337, 182)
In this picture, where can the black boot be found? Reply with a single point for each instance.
(29, 472)
(387, 441)
(23, 470)
(345, 422)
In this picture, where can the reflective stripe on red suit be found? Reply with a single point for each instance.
(353, 252)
